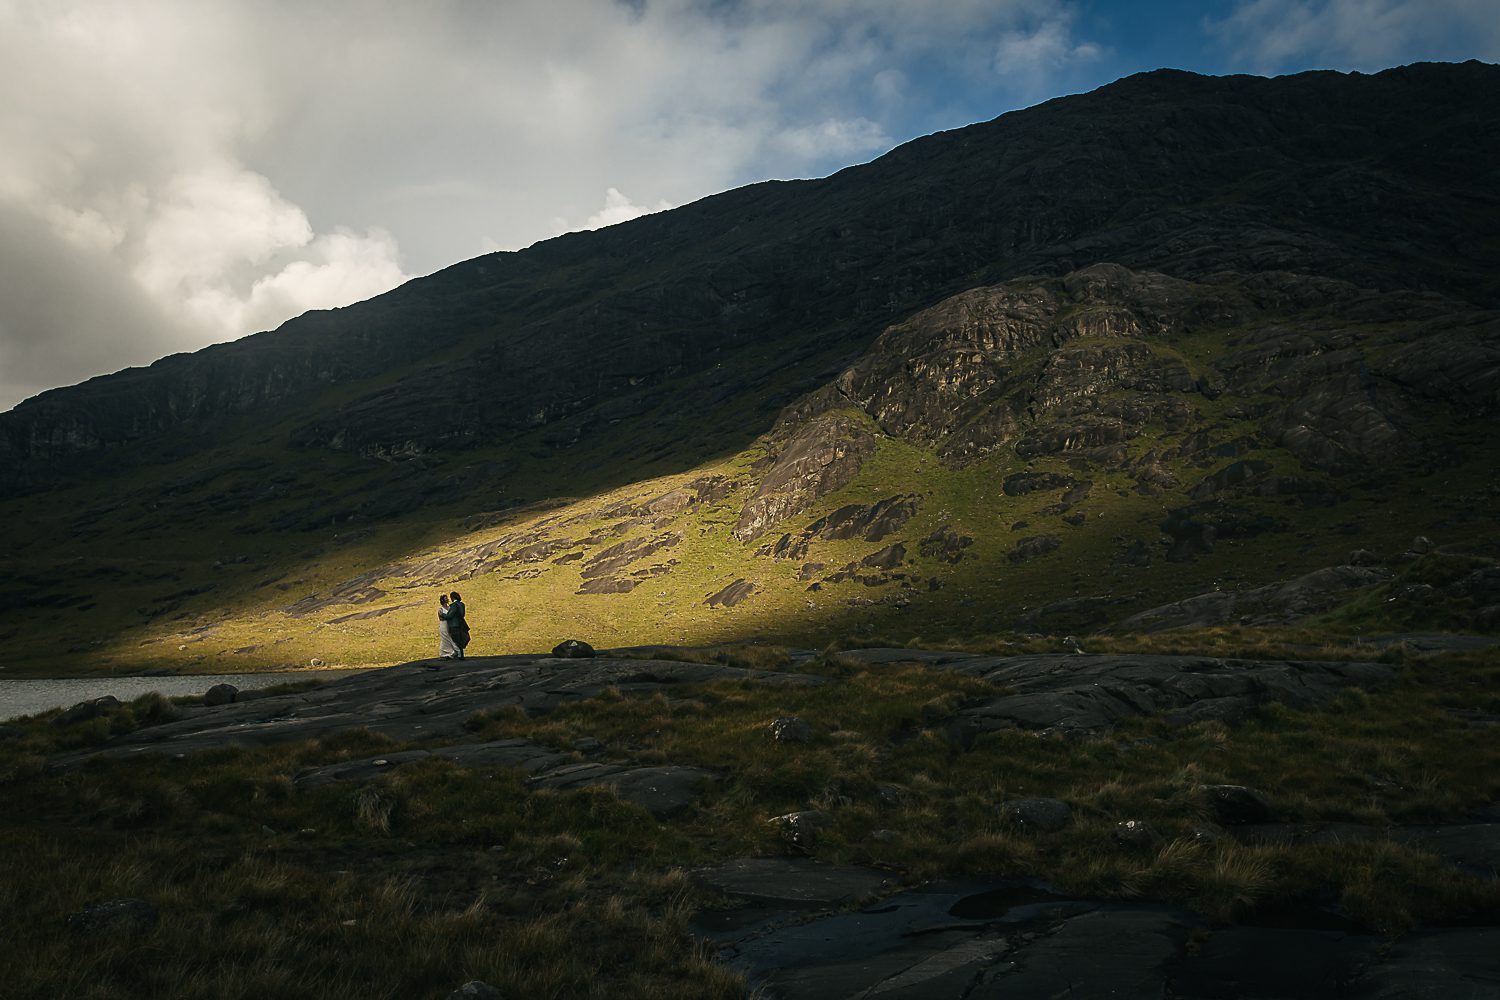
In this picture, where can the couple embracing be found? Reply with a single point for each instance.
(453, 629)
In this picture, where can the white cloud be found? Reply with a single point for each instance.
(840, 138)
(1035, 55)
(1274, 35)
(203, 224)
(332, 270)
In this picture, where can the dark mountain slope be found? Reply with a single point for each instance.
(1387, 181)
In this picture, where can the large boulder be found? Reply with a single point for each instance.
(85, 710)
(790, 729)
(573, 649)
(221, 694)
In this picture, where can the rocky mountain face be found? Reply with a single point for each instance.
(1179, 336)
(1087, 366)
(1385, 182)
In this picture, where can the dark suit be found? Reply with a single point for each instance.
(458, 628)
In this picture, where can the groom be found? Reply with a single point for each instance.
(458, 626)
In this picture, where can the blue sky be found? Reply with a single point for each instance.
(179, 172)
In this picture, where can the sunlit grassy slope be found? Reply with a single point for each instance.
(200, 578)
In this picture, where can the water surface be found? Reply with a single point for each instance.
(28, 696)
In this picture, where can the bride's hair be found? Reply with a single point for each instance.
(442, 598)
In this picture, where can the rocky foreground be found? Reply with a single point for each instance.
(801, 928)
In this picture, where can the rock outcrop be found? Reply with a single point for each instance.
(408, 702)
(663, 790)
(1069, 692)
(1274, 604)
(819, 458)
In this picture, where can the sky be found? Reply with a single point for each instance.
(176, 173)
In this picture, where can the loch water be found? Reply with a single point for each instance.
(28, 696)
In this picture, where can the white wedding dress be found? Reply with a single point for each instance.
(446, 648)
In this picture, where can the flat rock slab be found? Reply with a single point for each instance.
(1431, 642)
(410, 702)
(793, 881)
(1094, 693)
(662, 789)
(1437, 965)
(665, 790)
(1273, 962)
(1012, 938)
(931, 657)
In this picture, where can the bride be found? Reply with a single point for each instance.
(447, 649)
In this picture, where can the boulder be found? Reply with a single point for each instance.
(731, 595)
(1037, 815)
(115, 916)
(573, 649)
(1236, 804)
(887, 558)
(221, 694)
(1363, 557)
(1412, 593)
(790, 729)
(1421, 545)
(800, 829)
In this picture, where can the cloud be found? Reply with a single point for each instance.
(833, 138)
(1275, 35)
(200, 171)
(1037, 54)
(130, 222)
(69, 311)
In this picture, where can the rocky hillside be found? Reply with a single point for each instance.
(1179, 335)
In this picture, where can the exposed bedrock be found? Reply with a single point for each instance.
(819, 458)
(1084, 693)
(1274, 604)
(991, 938)
(664, 790)
(409, 702)
(1136, 371)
